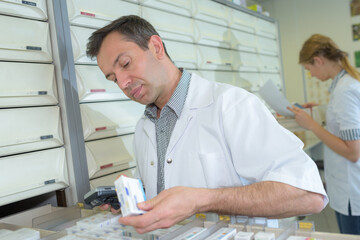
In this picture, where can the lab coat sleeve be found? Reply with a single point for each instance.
(262, 150)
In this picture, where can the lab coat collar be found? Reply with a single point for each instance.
(201, 93)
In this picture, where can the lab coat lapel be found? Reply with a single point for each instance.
(149, 130)
(179, 129)
(199, 95)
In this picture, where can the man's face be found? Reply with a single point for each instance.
(133, 69)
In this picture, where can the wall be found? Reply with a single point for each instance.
(297, 21)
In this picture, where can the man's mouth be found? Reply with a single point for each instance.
(136, 92)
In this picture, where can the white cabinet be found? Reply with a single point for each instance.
(36, 128)
(79, 39)
(93, 86)
(27, 9)
(109, 155)
(170, 26)
(220, 43)
(97, 13)
(31, 174)
(16, 43)
(27, 84)
(110, 118)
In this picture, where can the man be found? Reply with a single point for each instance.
(212, 147)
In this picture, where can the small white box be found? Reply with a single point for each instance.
(130, 192)
(264, 236)
(296, 238)
(191, 234)
(244, 236)
(223, 234)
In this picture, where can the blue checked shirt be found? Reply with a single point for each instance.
(164, 125)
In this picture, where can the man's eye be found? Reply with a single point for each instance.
(125, 65)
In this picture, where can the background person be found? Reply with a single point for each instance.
(322, 57)
(202, 146)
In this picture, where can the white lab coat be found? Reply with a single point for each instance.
(343, 176)
(224, 137)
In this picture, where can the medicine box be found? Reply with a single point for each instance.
(130, 192)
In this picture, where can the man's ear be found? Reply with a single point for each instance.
(156, 46)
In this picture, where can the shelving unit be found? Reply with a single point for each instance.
(92, 120)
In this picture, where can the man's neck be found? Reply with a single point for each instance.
(174, 77)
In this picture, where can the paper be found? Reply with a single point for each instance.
(275, 99)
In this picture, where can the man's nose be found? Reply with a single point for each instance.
(123, 80)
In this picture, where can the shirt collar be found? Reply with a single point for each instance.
(336, 80)
(177, 100)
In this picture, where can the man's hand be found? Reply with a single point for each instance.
(106, 207)
(166, 209)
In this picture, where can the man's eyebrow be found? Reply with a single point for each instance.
(114, 63)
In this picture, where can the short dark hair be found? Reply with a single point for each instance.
(132, 27)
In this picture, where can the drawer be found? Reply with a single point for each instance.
(212, 35)
(220, 76)
(267, 46)
(182, 7)
(110, 179)
(265, 28)
(79, 39)
(215, 58)
(243, 41)
(35, 9)
(109, 155)
(184, 55)
(29, 129)
(109, 119)
(93, 86)
(210, 11)
(96, 14)
(242, 21)
(250, 81)
(32, 174)
(246, 61)
(269, 63)
(16, 45)
(38, 89)
(170, 26)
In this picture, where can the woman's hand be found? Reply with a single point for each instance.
(303, 118)
(309, 105)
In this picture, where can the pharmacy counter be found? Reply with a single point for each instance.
(49, 223)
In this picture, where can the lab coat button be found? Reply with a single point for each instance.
(152, 163)
(169, 160)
